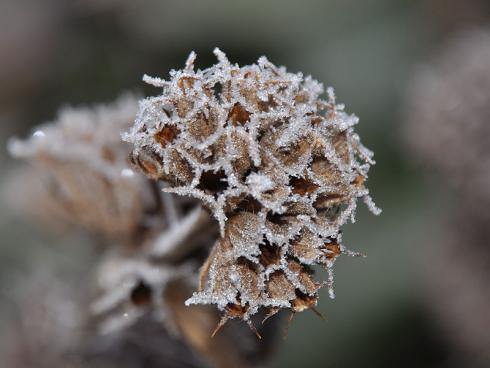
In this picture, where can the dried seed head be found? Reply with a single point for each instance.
(447, 125)
(83, 164)
(280, 169)
(448, 131)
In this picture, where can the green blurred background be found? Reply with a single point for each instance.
(56, 52)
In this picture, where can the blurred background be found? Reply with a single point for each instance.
(393, 308)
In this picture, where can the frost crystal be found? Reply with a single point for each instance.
(280, 169)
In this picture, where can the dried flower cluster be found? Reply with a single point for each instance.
(448, 114)
(280, 169)
(448, 131)
(84, 167)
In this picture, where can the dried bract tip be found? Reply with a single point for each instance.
(279, 167)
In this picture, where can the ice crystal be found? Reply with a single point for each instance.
(279, 167)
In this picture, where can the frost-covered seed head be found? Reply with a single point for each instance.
(448, 131)
(279, 167)
(448, 116)
(83, 166)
